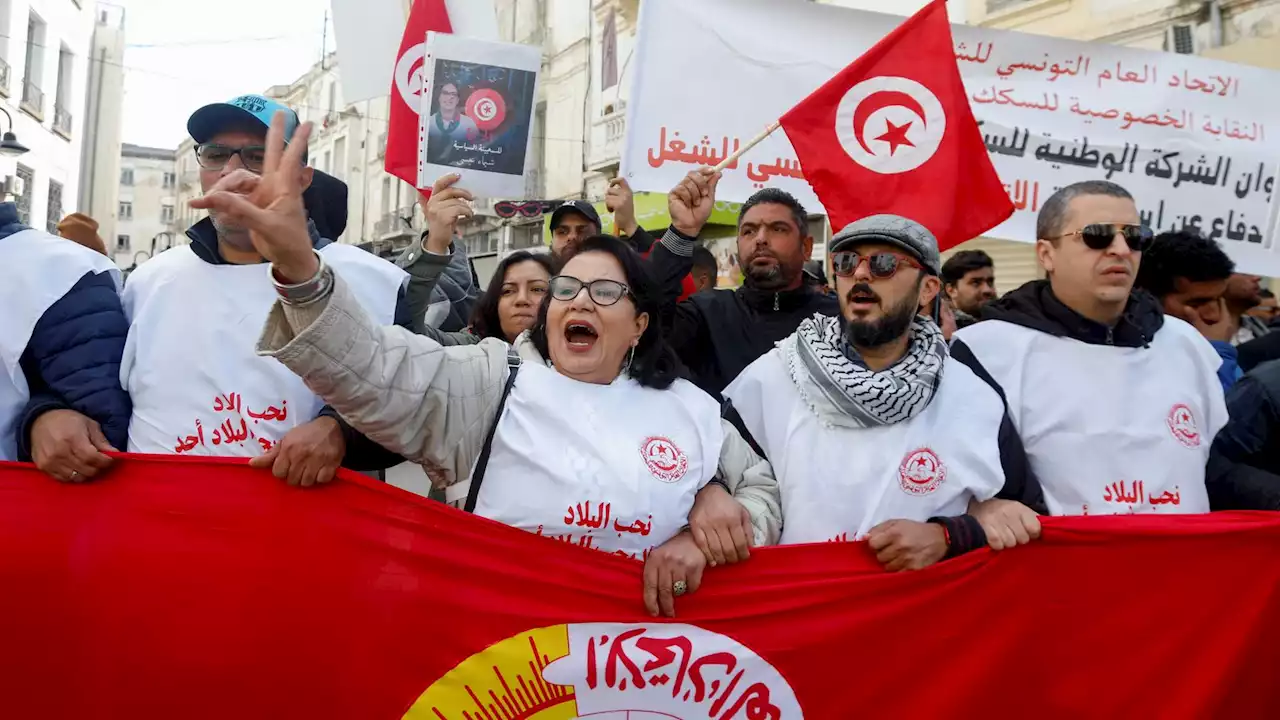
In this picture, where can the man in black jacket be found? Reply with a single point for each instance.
(718, 334)
(1244, 463)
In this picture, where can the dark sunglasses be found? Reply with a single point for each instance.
(213, 156)
(882, 264)
(1099, 236)
(602, 292)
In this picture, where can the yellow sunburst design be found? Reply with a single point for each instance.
(503, 682)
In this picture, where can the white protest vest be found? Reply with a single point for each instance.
(838, 482)
(1110, 430)
(610, 467)
(37, 269)
(197, 385)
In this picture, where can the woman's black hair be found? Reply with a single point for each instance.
(485, 321)
(654, 363)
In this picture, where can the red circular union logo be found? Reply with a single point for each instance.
(666, 461)
(1182, 423)
(921, 472)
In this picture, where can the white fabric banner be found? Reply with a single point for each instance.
(1196, 141)
(368, 34)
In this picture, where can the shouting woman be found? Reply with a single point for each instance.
(580, 431)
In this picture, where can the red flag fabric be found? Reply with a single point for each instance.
(201, 588)
(401, 158)
(893, 133)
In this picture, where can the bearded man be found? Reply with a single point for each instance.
(873, 431)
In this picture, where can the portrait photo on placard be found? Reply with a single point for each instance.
(480, 116)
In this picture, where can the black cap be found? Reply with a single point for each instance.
(582, 207)
(816, 272)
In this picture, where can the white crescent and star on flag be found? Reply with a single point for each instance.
(889, 124)
(411, 69)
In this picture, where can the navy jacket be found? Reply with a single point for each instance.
(1244, 464)
(362, 453)
(72, 360)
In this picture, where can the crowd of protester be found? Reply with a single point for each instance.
(607, 395)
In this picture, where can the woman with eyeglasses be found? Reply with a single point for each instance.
(580, 431)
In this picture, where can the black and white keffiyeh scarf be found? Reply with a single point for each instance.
(843, 393)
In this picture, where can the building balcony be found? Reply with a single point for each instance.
(62, 121)
(32, 100)
(190, 178)
(5, 72)
(393, 224)
(607, 135)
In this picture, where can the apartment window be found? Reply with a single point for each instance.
(32, 94)
(126, 210)
(28, 177)
(340, 158)
(126, 176)
(62, 95)
(122, 242)
(166, 214)
(54, 214)
(386, 195)
(170, 179)
(324, 163)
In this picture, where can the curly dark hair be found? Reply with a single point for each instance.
(1182, 254)
(654, 363)
(485, 321)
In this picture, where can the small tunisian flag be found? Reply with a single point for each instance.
(893, 133)
(406, 85)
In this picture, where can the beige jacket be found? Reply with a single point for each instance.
(434, 404)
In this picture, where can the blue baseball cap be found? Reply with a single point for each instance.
(246, 110)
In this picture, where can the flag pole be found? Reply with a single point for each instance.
(750, 144)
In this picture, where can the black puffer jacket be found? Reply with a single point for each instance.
(1244, 464)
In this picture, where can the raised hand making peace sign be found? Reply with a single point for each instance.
(273, 209)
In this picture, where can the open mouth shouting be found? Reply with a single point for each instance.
(580, 335)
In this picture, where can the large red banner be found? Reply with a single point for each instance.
(204, 589)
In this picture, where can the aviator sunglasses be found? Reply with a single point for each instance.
(882, 265)
(1098, 236)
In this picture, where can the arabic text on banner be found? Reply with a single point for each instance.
(1196, 141)
(201, 588)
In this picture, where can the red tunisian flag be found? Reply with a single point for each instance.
(407, 85)
(893, 133)
(201, 588)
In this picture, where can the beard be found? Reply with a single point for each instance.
(892, 326)
(233, 235)
(777, 277)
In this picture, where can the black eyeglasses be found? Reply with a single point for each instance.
(1099, 236)
(602, 292)
(213, 156)
(882, 264)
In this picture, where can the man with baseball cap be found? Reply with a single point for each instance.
(873, 430)
(195, 312)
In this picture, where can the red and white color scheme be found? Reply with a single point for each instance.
(1109, 430)
(921, 472)
(585, 464)
(1052, 112)
(838, 482)
(891, 133)
(408, 84)
(667, 462)
(218, 591)
(1182, 423)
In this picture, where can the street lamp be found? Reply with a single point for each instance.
(9, 145)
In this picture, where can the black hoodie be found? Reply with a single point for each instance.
(1035, 306)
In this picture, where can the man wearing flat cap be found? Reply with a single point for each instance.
(873, 431)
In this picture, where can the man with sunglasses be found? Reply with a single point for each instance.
(1117, 404)
(873, 431)
(197, 386)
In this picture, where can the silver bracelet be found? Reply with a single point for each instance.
(307, 291)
